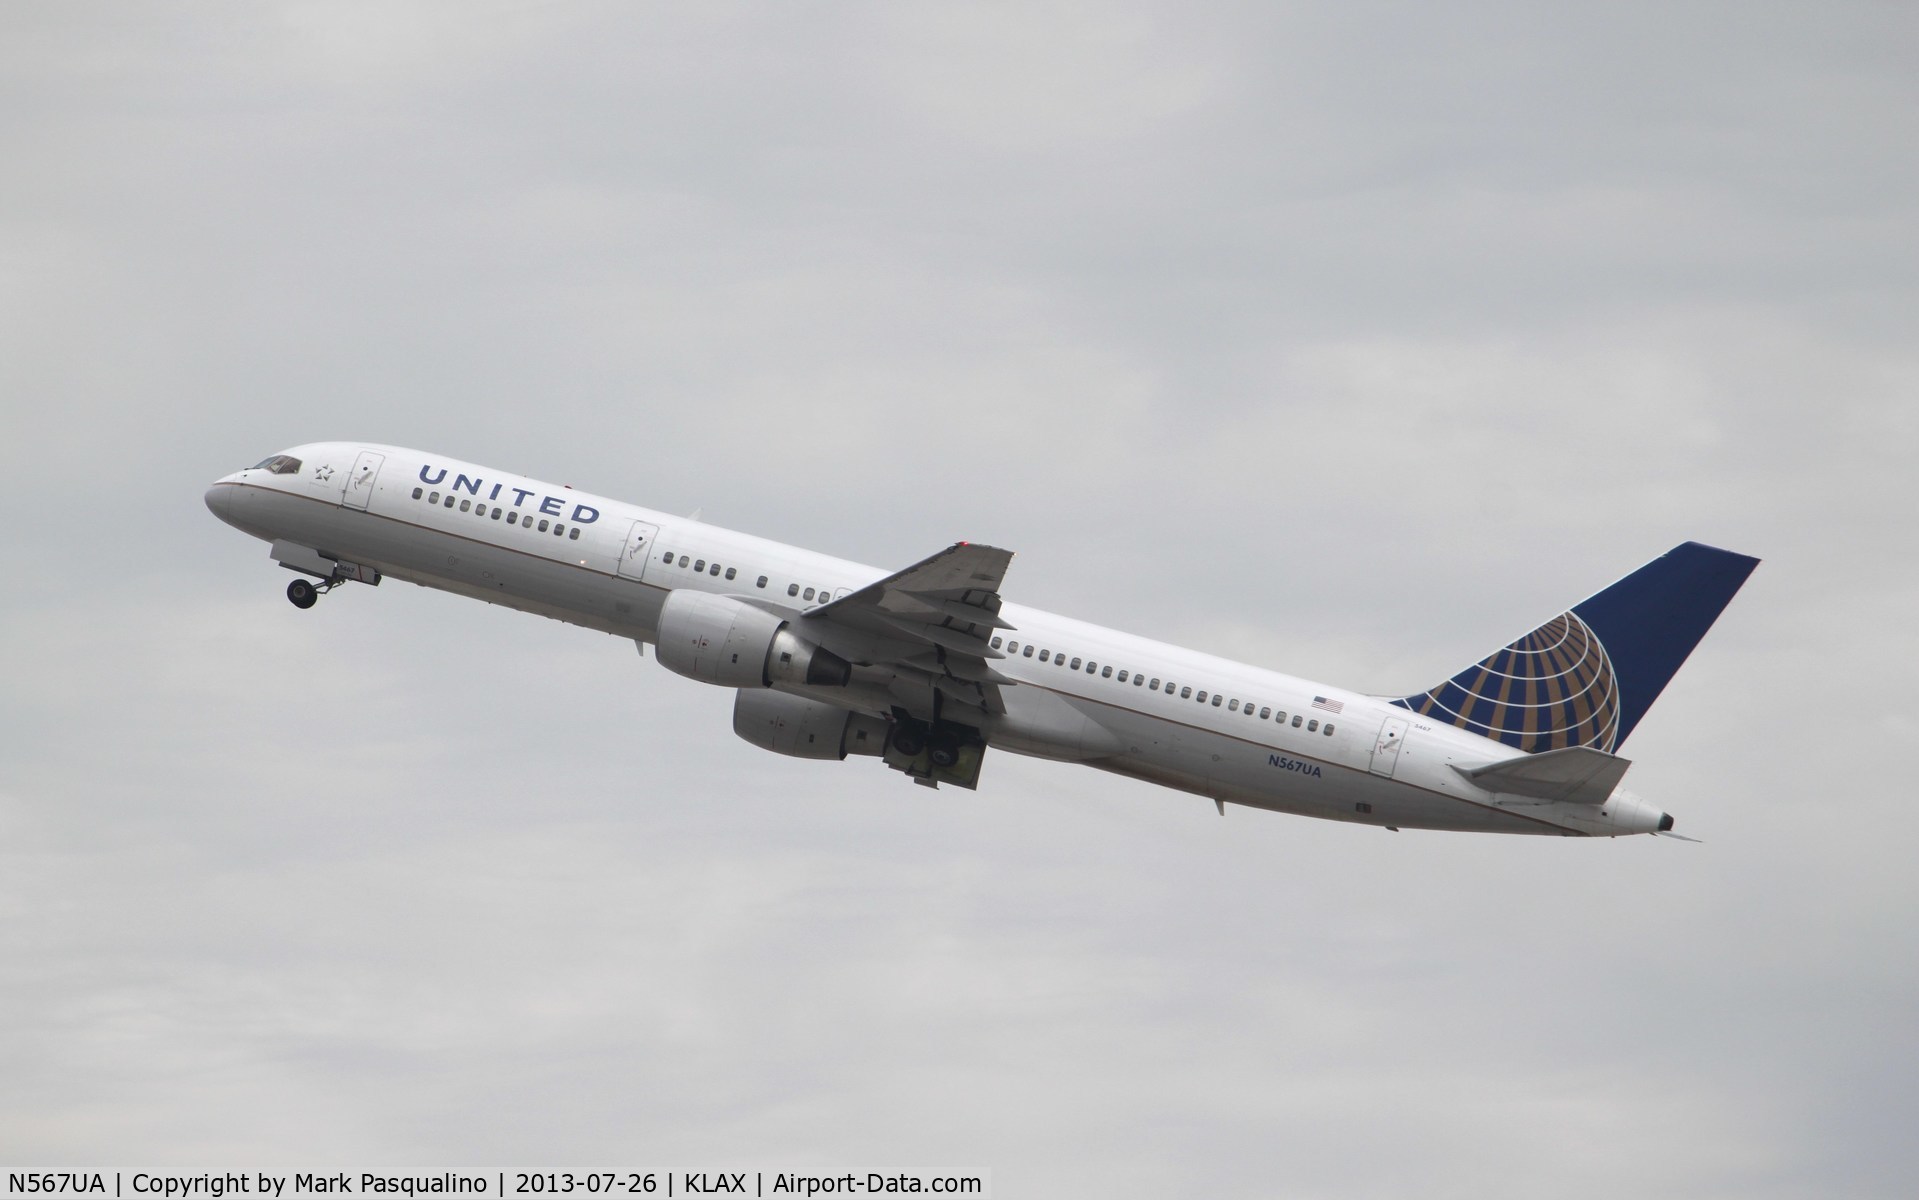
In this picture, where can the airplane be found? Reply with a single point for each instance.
(926, 668)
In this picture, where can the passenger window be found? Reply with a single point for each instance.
(513, 518)
(1107, 673)
(1312, 727)
(730, 572)
(466, 506)
(1202, 697)
(1184, 693)
(1028, 652)
(449, 500)
(1075, 664)
(496, 514)
(1280, 716)
(1328, 731)
(1153, 686)
(1216, 699)
(995, 643)
(792, 589)
(808, 594)
(1296, 720)
(698, 567)
(666, 558)
(682, 560)
(558, 529)
(573, 534)
(1139, 680)
(542, 524)
(762, 582)
(434, 498)
(1011, 647)
(1044, 655)
(1122, 677)
(416, 493)
(1233, 707)
(1264, 713)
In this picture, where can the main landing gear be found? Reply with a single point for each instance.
(942, 752)
(940, 743)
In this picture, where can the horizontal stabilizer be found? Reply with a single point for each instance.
(1575, 774)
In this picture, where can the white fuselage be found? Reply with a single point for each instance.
(1137, 711)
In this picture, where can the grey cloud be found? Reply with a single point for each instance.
(1347, 340)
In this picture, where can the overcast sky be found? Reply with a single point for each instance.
(1348, 339)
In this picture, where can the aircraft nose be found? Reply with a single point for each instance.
(218, 498)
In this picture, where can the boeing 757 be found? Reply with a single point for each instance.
(928, 667)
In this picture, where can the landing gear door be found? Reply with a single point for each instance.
(360, 480)
(638, 550)
(1386, 750)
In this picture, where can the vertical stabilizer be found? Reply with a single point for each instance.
(1585, 677)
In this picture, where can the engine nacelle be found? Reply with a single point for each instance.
(803, 728)
(718, 639)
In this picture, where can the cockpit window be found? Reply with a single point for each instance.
(280, 464)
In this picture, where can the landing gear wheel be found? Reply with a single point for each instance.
(303, 594)
(909, 741)
(945, 752)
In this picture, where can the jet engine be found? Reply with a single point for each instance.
(803, 728)
(723, 640)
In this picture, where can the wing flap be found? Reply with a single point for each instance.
(1574, 774)
(944, 609)
(931, 607)
(944, 636)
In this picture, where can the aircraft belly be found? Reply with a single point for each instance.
(1289, 780)
(1042, 723)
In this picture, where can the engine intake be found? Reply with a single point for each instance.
(722, 640)
(803, 728)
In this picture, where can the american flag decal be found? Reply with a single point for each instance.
(1331, 706)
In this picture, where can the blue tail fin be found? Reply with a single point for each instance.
(1585, 677)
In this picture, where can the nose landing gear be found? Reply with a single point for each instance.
(330, 571)
(305, 593)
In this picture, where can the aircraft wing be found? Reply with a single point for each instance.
(944, 610)
(1578, 774)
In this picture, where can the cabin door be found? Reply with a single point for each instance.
(1386, 749)
(360, 480)
(638, 550)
